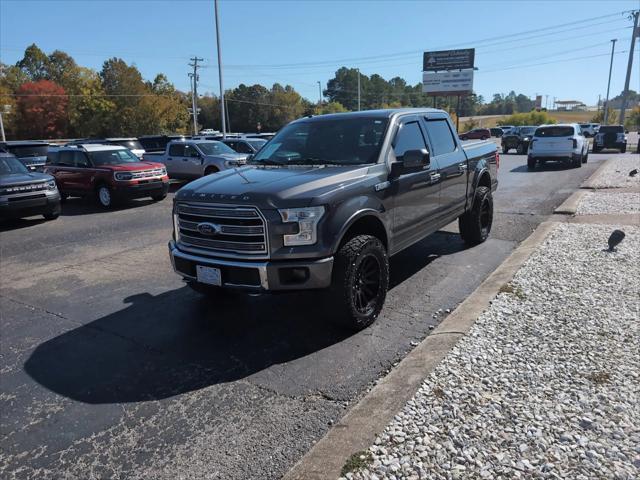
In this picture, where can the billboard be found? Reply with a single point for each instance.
(448, 60)
(538, 102)
(447, 83)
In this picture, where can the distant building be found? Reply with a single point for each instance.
(570, 105)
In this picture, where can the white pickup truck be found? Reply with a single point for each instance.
(195, 158)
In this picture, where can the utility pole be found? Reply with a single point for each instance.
(222, 103)
(606, 100)
(2, 128)
(598, 106)
(358, 88)
(194, 91)
(625, 92)
(319, 93)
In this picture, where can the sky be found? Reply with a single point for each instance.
(553, 48)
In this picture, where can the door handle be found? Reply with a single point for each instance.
(462, 167)
(435, 177)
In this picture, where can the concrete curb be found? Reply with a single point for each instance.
(570, 205)
(590, 182)
(357, 430)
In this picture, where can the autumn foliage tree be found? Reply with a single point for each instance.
(42, 109)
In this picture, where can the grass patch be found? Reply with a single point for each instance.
(599, 378)
(512, 289)
(357, 461)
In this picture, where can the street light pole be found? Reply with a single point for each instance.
(319, 93)
(606, 100)
(2, 128)
(625, 92)
(222, 105)
(358, 88)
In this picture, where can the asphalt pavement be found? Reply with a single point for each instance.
(111, 367)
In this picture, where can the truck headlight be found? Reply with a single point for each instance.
(307, 219)
(123, 176)
(51, 185)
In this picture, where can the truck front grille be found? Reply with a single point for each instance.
(237, 230)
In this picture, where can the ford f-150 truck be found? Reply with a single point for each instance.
(328, 201)
(195, 158)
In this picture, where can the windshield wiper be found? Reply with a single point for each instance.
(313, 161)
(265, 162)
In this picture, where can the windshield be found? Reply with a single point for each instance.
(338, 141)
(257, 144)
(22, 151)
(9, 165)
(527, 130)
(555, 132)
(130, 144)
(113, 157)
(585, 125)
(611, 129)
(214, 148)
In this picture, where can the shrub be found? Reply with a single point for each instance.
(529, 118)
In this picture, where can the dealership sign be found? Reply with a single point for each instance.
(447, 83)
(448, 60)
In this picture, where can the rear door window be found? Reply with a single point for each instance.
(440, 136)
(177, 150)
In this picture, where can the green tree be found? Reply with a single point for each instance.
(330, 107)
(34, 63)
(528, 118)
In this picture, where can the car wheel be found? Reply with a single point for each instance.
(475, 224)
(531, 163)
(484, 138)
(51, 216)
(585, 157)
(505, 150)
(159, 197)
(520, 149)
(63, 197)
(360, 282)
(623, 149)
(595, 149)
(577, 161)
(104, 196)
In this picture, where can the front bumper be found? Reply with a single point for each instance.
(28, 205)
(139, 190)
(257, 276)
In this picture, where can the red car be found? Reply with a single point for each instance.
(107, 172)
(476, 134)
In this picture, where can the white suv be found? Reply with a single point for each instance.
(564, 142)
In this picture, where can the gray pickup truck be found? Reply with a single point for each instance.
(325, 204)
(196, 158)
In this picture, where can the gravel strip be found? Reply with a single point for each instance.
(545, 385)
(617, 203)
(616, 173)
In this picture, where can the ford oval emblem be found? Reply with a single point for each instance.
(209, 229)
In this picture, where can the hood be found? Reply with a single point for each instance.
(230, 156)
(132, 167)
(24, 178)
(272, 187)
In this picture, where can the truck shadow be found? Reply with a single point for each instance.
(177, 341)
(545, 167)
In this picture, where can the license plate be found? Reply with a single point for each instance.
(208, 275)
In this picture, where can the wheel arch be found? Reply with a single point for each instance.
(363, 222)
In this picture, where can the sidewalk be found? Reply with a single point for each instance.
(546, 384)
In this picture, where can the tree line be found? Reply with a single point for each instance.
(51, 96)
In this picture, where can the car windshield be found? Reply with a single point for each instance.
(23, 151)
(611, 129)
(130, 144)
(554, 132)
(585, 125)
(214, 148)
(112, 157)
(257, 144)
(527, 130)
(9, 165)
(335, 141)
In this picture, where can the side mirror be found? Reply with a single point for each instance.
(411, 161)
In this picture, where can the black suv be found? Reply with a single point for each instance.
(610, 136)
(24, 193)
(518, 138)
(32, 153)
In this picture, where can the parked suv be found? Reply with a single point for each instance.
(244, 145)
(327, 201)
(518, 138)
(32, 153)
(476, 134)
(589, 129)
(107, 172)
(564, 143)
(610, 136)
(24, 193)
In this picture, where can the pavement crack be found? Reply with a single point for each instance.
(35, 307)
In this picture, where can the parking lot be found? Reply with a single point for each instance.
(111, 366)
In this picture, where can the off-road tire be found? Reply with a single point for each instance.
(360, 282)
(505, 150)
(520, 149)
(531, 163)
(475, 224)
(623, 149)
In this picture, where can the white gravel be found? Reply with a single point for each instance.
(545, 385)
(616, 173)
(609, 202)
